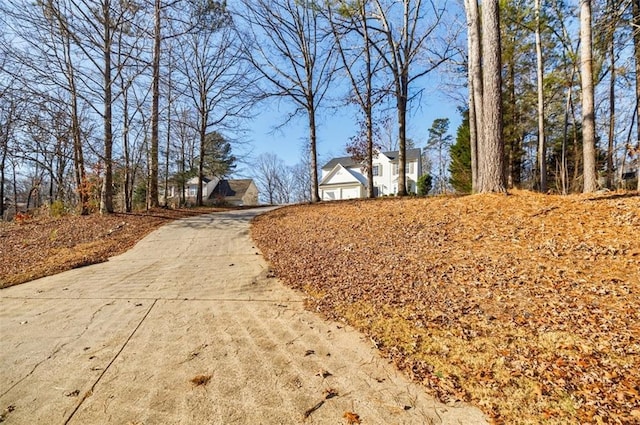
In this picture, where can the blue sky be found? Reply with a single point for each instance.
(336, 127)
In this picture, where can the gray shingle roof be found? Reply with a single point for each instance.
(231, 189)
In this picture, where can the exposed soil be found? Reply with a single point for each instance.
(526, 305)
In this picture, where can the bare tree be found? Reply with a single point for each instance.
(542, 147)
(475, 85)
(412, 49)
(292, 51)
(9, 109)
(636, 47)
(48, 62)
(268, 170)
(184, 132)
(348, 20)
(215, 79)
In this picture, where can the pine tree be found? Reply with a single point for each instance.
(460, 152)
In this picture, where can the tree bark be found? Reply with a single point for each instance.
(5, 147)
(155, 114)
(542, 146)
(106, 200)
(491, 150)
(203, 140)
(636, 46)
(612, 111)
(475, 87)
(402, 143)
(590, 183)
(315, 195)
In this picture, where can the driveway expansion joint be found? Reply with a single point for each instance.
(89, 393)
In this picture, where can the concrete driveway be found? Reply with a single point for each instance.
(189, 327)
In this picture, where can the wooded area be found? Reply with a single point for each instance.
(105, 104)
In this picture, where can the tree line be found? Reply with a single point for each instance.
(103, 101)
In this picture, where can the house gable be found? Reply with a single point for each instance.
(340, 175)
(345, 174)
(236, 192)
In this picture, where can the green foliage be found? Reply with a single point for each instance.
(438, 133)
(210, 15)
(57, 209)
(140, 196)
(218, 160)
(424, 184)
(460, 152)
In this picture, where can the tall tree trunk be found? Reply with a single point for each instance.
(76, 132)
(577, 158)
(475, 87)
(402, 143)
(612, 112)
(636, 46)
(128, 204)
(315, 195)
(106, 200)
(369, 118)
(368, 100)
(155, 110)
(473, 137)
(203, 142)
(491, 150)
(590, 182)
(542, 146)
(167, 154)
(565, 135)
(512, 137)
(3, 162)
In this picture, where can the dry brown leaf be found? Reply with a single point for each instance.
(527, 305)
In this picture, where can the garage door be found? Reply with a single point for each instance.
(350, 193)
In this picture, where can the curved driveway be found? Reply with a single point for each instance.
(189, 327)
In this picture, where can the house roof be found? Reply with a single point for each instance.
(347, 161)
(357, 177)
(194, 180)
(231, 189)
(411, 154)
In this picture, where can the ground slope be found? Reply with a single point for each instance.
(527, 305)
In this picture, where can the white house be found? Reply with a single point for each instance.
(343, 178)
(191, 188)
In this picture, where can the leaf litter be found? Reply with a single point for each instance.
(526, 305)
(40, 246)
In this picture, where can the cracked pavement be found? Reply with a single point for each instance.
(122, 342)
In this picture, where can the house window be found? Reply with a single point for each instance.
(192, 191)
(377, 171)
(410, 167)
(395, 169)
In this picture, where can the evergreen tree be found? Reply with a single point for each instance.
(424, 184)
(460, 152)
(218, 160)
(439, 142)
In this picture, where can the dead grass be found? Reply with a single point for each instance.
(526, 305)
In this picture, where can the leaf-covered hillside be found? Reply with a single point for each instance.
(526, 305)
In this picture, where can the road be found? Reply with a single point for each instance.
(190, 327)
